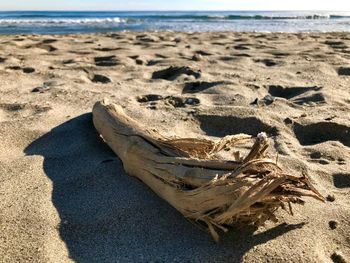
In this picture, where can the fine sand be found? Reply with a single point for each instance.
(64, 195)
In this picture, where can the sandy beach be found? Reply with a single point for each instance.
(64, 196)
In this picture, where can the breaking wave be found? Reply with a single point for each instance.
(241, 17)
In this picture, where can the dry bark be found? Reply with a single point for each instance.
(188, 174)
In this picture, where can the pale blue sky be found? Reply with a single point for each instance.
(340, 5)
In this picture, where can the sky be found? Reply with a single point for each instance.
(115, 5)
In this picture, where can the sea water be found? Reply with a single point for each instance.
(48, 22)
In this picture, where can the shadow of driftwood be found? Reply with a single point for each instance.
(107, 216)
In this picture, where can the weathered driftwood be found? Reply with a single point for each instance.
(187, 173)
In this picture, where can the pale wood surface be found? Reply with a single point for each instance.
(188, 174)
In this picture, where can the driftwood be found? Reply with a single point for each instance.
(188, 174)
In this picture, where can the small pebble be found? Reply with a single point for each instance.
(197, 57)
(192, 101)
(268, 99)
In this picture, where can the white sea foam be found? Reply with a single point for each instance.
(85, 21)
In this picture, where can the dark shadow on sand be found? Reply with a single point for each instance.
(107, 216)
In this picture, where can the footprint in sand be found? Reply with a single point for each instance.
(219, 43)
(341, 180)
(172, 73)
(146, 38)
(242, 55)
(325, 157)
(115, 36)
(279, 54)
(203, 53)
(23, 109)
(229, 58)
(80, 52)
(319, 132)
(289, 92)
(68, 61)
(194, 87)
(297, 95)
(160, 56)
(108, 61)
(268, 62)
(18, 39)
(336, 44)
(241, 47)
(344, 71)
(49, 41)
(106, 49)
(12, 107)
(48, 48)
(153, 62)
(28, 70)
(97, 78)
(221, 125)
(177, 102)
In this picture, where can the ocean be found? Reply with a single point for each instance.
(49, 22)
